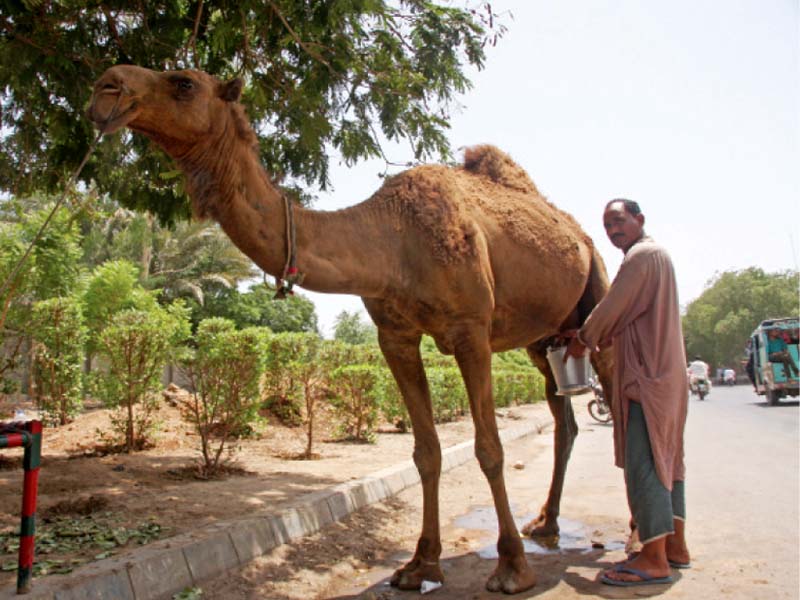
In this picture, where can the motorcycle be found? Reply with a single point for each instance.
(599, 407)
(699, 387)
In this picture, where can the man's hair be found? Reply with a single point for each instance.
(630, 205)
(697, 358)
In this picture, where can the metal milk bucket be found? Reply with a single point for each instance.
(572, 377)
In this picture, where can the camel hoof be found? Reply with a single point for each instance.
(509, 580)
(411, 576)
(541, 527)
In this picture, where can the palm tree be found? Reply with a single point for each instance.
(196, 259)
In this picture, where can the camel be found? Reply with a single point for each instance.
(472, 255)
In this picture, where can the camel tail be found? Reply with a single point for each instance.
(491, 162)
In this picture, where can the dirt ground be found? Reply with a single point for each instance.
(92, 505)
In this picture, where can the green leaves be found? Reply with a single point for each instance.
(58, 335)
(320, 75)
(350, 329)
(225, 370)
(81, 537)
(137, 344)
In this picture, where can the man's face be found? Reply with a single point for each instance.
(622, 228)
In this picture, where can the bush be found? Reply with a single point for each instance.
(448, 394)
(391, 401)
(307, 368)
(512, 387)
(280, 390)
(137, 345)
(356, 400)
(58, 335)
(224, 370)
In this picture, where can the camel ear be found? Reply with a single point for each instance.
(231, 90)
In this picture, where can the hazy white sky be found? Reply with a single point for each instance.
(690, 107)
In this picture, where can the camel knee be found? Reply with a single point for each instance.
(490, 458)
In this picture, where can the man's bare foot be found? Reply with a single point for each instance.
(677, 552)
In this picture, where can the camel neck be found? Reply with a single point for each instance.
(236, 192)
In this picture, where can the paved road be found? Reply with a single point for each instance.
(742, 494)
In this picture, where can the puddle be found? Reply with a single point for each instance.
(574, 536)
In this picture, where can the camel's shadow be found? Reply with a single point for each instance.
(466, 574)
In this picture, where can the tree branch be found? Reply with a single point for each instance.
(112, 26)
(193, 40)
(312, 53)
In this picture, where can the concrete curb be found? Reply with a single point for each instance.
(166, 567)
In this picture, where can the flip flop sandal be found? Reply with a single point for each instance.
(672, 563)
(644, 578)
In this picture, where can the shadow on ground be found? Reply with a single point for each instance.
(466, 575)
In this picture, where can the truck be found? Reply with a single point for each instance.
(771, 378)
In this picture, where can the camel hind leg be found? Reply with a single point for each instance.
(474, 357)
(566, 430)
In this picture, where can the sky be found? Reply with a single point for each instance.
(690, 107)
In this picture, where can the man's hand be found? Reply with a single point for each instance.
(575, 348)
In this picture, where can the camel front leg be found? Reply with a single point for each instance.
(403, 357)
(473, 354)
(566, 430)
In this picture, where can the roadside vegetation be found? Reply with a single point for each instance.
(718, 323)
(111, 306)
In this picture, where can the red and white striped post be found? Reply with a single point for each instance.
(29, 436)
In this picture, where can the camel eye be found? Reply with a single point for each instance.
(183, 85)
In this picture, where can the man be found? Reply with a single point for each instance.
(640, 316)
(698, 369)
(778, 352)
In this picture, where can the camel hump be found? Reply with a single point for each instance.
(489, 161)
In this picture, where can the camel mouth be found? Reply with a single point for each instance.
(107, 111)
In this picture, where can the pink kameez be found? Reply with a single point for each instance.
(640, 315)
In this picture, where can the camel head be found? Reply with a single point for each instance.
(176, 109)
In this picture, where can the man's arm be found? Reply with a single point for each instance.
(628, 297)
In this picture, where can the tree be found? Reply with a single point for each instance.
(196, 259)
(138, 344)
(111, 288)
(51, 269)
(350, 329)
(257, 308)
(321, 76)
(717, 323)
